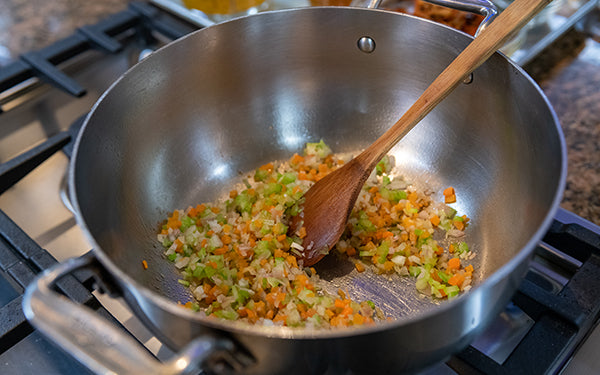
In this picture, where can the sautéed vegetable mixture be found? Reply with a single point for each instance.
(238, 259)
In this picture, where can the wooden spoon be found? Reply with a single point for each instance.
(328, 203)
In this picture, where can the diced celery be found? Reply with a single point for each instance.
(320, 149)
(287, 178)
(209, 272)
(186, 222)
(272, 188)
(444, 276)
(367, 253)
(263, 249)
(364, 222)
(228, 314)
(199, 271)
(421, 284)
(273, 282)
(452, 290)
(383, 166)
(221, 219)
(243, 202)
(172, 257)
(239, 294)
(183, 282)
(393, 195)
(383, 251)
(462, 247)
(261, 175)
(414, 271)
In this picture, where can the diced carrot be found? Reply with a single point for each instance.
(469, 268)
(303, 176)
(221, 250)
(192, 212)
(388, 265)
(453, 264)
(281, 237)
(448, 191)
(215, 210)
(351, 251)
(412, 197)
(226, 239)
(459, 224)
(450, 198)
(347, 311)
(358, 320)
(451, 248)
(145, 264)
(302, 232)
(359, 267)
(435, 220)
(278, 253)
(457, 279)
(296, 159)
(179, 246)
(227, 228)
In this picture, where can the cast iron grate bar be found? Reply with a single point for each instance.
(562, 320)
(43, 64)
(21, 258)
(15, 169)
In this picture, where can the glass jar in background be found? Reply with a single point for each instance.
(221, 10)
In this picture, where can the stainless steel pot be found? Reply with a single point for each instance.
(181, 125)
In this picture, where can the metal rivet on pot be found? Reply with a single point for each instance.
(468, 79)
(366, 44)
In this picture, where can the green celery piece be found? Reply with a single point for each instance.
(260, 175)
(186, 222)
(320, 149)
(287, 178)
(227, 314)
(272, 188)
(243, 202)
(383, 251)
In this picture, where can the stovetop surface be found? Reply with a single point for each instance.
(548, 319)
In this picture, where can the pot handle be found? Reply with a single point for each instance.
(97, 343)
(485, 8)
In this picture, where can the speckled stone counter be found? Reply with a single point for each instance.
(568, 72)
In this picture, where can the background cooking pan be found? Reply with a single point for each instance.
(180, 126)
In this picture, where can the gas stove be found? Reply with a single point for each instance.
(548, 327)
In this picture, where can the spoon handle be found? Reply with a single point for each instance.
(510, 21)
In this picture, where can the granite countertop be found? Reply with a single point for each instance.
(568, 72)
